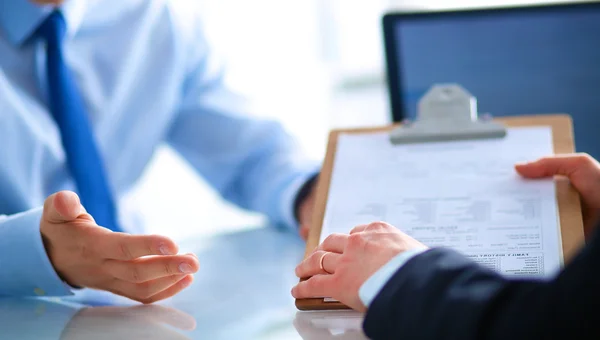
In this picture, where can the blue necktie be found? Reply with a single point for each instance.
(69, 112)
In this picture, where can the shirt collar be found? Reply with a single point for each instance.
(20, 18)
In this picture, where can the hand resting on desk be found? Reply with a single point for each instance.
(144, 268)
(350, 260)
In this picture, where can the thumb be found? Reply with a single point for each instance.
(564, 165)
(63, 206)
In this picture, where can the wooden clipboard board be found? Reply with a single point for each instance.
(569, 206)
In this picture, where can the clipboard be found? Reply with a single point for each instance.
(457, 119)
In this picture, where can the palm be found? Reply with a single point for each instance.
(141, 267)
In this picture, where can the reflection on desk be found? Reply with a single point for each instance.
(338, 325)
(58, 320)
(242, 291)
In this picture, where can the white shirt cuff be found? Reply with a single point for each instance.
(371, 288)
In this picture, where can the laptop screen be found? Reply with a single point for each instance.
(518, 61)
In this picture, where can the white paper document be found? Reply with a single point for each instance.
(464, 195)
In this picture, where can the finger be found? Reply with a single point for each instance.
(171, 291)
(311, 266)
(334, 243)
(564, 165)
(318, 286)
(63, 206)
(143, 291)
(359, 229)
(151, 268)
(126, 247)
(374, 226)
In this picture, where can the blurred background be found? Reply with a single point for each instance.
(314, 65)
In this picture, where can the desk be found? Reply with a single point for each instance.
(242, 291)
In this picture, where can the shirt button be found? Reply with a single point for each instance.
(39, 292)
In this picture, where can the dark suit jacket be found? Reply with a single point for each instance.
(443, 295)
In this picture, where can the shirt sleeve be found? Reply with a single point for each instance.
(252, 162)
(369, 290)
(25, 269)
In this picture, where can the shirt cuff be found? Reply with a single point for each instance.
(25, 269)
(290, 195)
(369, 290)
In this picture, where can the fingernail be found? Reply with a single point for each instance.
(164, 249)
(185, 268)
(185, 283)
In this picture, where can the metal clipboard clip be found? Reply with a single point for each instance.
(447, 112)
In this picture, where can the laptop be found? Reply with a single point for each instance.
(516, 61)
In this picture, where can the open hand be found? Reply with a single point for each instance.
(349, 261)
(584, 174)
(144, 268)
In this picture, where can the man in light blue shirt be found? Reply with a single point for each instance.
(88, 90)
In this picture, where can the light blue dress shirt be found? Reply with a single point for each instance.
(373, 286)
(147, 76)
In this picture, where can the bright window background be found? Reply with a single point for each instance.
(313, 64)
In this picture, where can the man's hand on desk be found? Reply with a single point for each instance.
(349, 260)
(584, 174)
(144, 268)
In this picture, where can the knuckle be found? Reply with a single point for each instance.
(371, 245)
(149, 245)
(377, 225)
(124, 251)
(168, 269)
(331, 238)
(135, 274)
(355, 240)
(312, 284)
(314, 260)
(584, 159)
(143, 291)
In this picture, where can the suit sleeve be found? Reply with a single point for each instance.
(442, 295)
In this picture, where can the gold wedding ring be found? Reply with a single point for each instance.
(321, 263)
